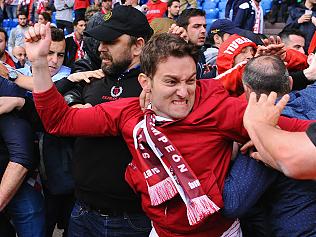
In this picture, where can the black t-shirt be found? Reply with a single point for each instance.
(311, 133)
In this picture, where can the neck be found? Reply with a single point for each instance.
(170, 15)
(78, 36)
(3, 58)
(134, 63)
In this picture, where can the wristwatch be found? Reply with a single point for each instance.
(13, 75)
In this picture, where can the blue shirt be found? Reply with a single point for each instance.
(290, 204)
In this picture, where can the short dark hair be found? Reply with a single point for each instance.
(210, 36)
(285, 33)
(171, 1)
(184, 17)
(21, 13)
(5, 34)
(265, 74)
(57, 34)
(46, 16)
(76, 21)
(162, 46)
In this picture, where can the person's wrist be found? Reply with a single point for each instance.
(39, 62)
(20, 103)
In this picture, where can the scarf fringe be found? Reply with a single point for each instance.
(162, 191)
(199, 208)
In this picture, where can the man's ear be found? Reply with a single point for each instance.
(310, 58)
(291, 82)
(217, 39)
(144, 81)
(247, 90)
(138, 46)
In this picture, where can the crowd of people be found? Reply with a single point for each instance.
(130, 119)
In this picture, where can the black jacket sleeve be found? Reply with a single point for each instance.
(299, 80)
(311, 133)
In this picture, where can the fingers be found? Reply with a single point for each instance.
(272, 98)
(252, 99)
(246, 147)
(255, 155)
(263, 98)
(37, 32)
(282, 103)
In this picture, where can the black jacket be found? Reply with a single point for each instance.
(100, 163)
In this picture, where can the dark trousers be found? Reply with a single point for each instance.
(6, 229)
(58, 210)
(89, 223)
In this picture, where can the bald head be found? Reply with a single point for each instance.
(20, 54)
(265, 74)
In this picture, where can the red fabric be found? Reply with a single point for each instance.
(232, 79)
(167, 173)
(204, 137)
(9, 60)
(79, 4)
(156, 10)
(295, 60)
(30, 7)
(312, 45)
(225, 61)
(229, 50)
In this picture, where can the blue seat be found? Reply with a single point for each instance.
(221, 5)
(212, 13)
(221, 14)
(54, 17)
(14, 23)
(210, 4)
(6, 23)
(209, 22)
(266, 6)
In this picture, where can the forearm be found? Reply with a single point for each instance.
(10, 183)
(276, 148)
(25, 82)
(42, 79)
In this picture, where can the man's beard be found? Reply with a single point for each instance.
(116, 68)
(1, 53)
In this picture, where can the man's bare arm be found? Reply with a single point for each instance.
(10, 183)
(292, 153)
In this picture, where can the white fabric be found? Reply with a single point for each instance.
(258, 27)
(233, 231)
(153, 233)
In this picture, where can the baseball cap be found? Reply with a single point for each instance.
(224, 25)
(122, 20)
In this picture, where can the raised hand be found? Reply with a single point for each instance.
(264, 111)
(37, 42)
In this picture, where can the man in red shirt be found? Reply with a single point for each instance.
(155, 9)
(182, 145)
(4, 55)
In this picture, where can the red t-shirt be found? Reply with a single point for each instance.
(156, 10)
(204, 138)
